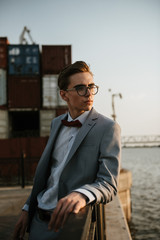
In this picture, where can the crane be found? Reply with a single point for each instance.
(113, 105)
(22, 39)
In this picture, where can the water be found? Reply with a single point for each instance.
(144, 163)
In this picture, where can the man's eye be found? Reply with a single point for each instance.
(81, 88)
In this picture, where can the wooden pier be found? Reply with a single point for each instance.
(94, 222)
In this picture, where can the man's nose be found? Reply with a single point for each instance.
(88, 92)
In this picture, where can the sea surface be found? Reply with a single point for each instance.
(144, 163)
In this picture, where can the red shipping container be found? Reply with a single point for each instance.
(4, 40)
(54, 58)
(24, 92)
(3, 56)
(60, 111)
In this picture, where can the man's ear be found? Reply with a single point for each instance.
(63, 95)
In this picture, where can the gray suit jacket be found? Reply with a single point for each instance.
(93, 162)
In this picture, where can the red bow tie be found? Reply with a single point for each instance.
(76, 123)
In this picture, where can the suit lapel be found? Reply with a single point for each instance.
(87, 126)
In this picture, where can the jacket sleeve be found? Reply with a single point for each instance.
(105, 186)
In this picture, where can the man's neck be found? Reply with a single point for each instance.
(76, 115)
(82, 117)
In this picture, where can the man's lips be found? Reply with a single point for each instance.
(89, 101)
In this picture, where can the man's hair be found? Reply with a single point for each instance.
(77, 67)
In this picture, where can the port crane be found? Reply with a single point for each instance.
(22, 38)
(113, 105)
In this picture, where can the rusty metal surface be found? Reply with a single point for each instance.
(60, 111)
(4, 40)
(3, 56)
(13, 152)
(14, 147)
(24, 92)
(55, 57)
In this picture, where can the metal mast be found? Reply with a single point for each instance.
(113, 105)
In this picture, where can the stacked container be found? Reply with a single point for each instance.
(3, 88)
(24, 85)
(3, 72)
(54, 58)
(29, 95)
(24, 90)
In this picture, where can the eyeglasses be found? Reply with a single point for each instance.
(82, 89)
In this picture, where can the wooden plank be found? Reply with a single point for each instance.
(116, 224)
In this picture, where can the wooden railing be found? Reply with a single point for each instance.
(88, 224)
(97, 222)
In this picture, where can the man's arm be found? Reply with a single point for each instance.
(104, 188)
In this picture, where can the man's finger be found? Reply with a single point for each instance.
(63, 214)
(55, 215)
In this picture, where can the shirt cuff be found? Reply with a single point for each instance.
(87, 193)
(25, 207)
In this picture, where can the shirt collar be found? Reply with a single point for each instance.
(81, 118)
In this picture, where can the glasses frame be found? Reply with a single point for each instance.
(75, 88)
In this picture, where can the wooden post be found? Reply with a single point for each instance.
(23, 156)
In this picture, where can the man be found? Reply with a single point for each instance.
(80, 163)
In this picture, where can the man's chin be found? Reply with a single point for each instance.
(88, 108)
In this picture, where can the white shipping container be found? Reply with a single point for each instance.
(4, 124)
(61, 102)
(3, 91)
(51, 96)
(50, 93)
(46, 116)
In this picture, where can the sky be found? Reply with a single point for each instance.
(119, 39)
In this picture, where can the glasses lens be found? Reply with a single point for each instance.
(94, 89)
(82, 90)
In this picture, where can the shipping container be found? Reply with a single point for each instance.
(24, 92)
(51, 96)
(4, 124)
(3, 90)
(23, 60)
(4, 40)
(46, 116)
(24, 123)
(3, 56)
(49, 91)
(61, 110)
(11, 159)
(54, 58)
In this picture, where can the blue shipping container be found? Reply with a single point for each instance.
(23, 60)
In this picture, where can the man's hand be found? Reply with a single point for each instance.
(71, 203)
(21, 226)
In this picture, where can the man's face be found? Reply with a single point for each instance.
(78, 104)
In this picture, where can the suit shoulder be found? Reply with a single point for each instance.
(106, 121)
